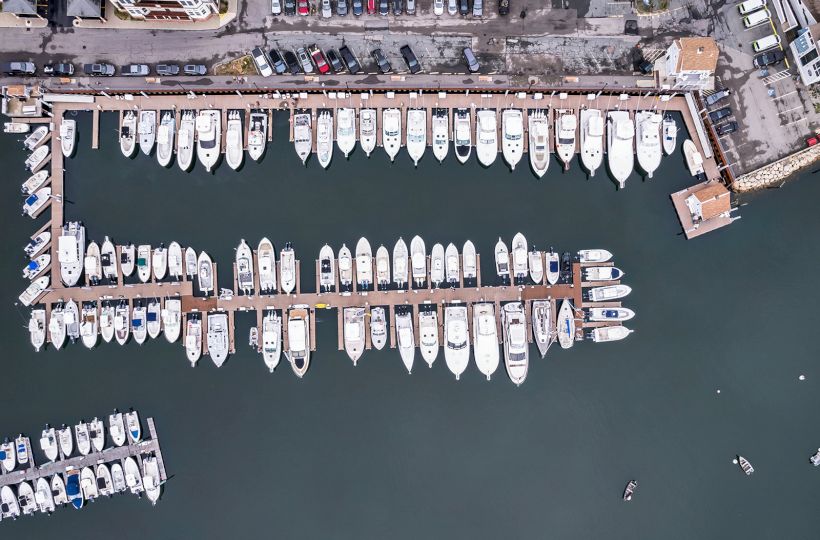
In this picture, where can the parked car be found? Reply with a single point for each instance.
(276, 7)
(327, 9)
(503, 7)
(358, 7)
(769, 58)
(341, 8)
(384, 7)
(720, 114)
(411, 7)
(452, 7)
(99, 70)
(438, 7)
(350, 60)
(18, 68)
(135, 70)
(381, 61)
(319, 59)
(276, 61)
(167, 69)
(463, 7)
(335, 61)
(290, 7)
(304, 60)
(260, 58)
(478, 8)
(194, 69)
(302, 7)
(59, 70)
(715, 97)
(765, 43)
(469, 58)
(397, 7)
(292, 62)
(371, 7)
(410, 59)
(727, 128)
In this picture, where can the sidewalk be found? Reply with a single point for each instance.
(114, 22)
(10, 20)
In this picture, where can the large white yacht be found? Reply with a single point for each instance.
(218, 340)
(620, 148)
(68, 136)
(302, 135)
(566, 124)
(353, 329)
(592, 139)
(516, 348)
(406, 339)
(271, 339)
(391, 132)
(71, 252)
(539, 146)
(327, 269)
(418, 261)
(485, 338)
(266, 257)
(257, 135)
(452, 265)
(382, 268)
(428, 335)
(378, 327)
(193, 339)
(502, 259)
(287, 267)
(346, 130)
(364, 264)
(209, 138)
(165, 139)
(324, 138)
(345, 267)
(367, 130)
(456, 339)
(416, 134)
(648, 140)
(437, 264)
(520, 257)
(298, 353)
(542, 329)
(441, 134)
(185, 140)
(565, 325)
(400, 263)
(486, 137)
(234, 147)
(512, 128)
(462, 135)
(244, 267)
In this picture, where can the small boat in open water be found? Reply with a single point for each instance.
(630, 490)
(745, 465)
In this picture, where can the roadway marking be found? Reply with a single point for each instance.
(801, 119)
(784, 95)
(790, 110)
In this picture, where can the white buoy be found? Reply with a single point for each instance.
(802, 377)
(718, 390)
(734, 461)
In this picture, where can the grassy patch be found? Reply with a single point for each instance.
(238, 66)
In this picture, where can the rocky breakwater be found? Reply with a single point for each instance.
(777, 172)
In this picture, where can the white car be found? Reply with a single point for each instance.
(276, 7)
(327, 9)
(452, 7)
(262, 62)
(438, 7)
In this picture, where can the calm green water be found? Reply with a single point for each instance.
(370, 452)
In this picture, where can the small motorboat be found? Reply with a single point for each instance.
(353, 330)
(34, 290)
(234, 147)
(165, 139)
(191, 266)
(516, 348)
(21, 444)
(382, 268)
(418, 261)
(456, 339)
(153, 318)
(502, 260)
(462, 135)
(745, 465)
(630, 490)
(565, 325)
(193, 339)
(128, 259)
(345, 268)
(205, 276)
(35, 182)
(400, 264)
(138, 323)
(469, 262)
(416, 134)
(406, 339)
(96, 432)
(609, 333)
(25, 496)
(8, 456)
(159, 262)
(72, 488)
(324, 138)
(172, 319)
(302, 136)
(36, 267)
(82, 438)
(452, 266)
(89, 324)
(566, 126)
(185, 140)
(151, 480)
(108, 260)
(133, 477)
(66, 440)
(16, 128)
(175, 261)
(93, 263)
(298, 353)
(118, 478)
(611, 314)
(116, 428)
(594, 255)
(327, 269)
(592, 139)
(512, 144)
(257, 135)
(133, 427)
(71, 252)
(287, 267)
(346, 130)
(437, 265)
(36, 138)
(9, 507)
(694, 160)
(602, 273)
(266, 257)
(648, 141)
(542, 329)
(391, 132)
(105, 484)
(608, 293)
(620, 155)
(670, 134)
(56, 326)
(36, 201)
(37, 244)
(378, 327)
(144, 262)
(37, 328)
(486, 136)
(441, 134)
(244, 268)
(43, 496)
(536, 264)
(539, 148)
(485, 338)
(428, 335)
(367, 130)
(147, 131)
(218, 338)
(58, 490)
(122, 322)
(128, 134)
(364, 264)
(271, 339)
(815, 459)
(520, 257)
(209, 138)
(71, 316)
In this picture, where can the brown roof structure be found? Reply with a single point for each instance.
(697, 54)
(714, 200)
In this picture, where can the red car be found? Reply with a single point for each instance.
(371, 7)
(302, 7)
(318, 58)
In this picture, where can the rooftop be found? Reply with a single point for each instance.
(697, 54)
(88, 9)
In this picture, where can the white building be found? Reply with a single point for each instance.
(172, 10)
(690, 64)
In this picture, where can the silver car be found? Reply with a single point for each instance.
(478, 8)
(327, 9)
(304, 60)
(276, 7)
(438, 7)
(452, 7)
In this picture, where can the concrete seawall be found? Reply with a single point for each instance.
(777, 172)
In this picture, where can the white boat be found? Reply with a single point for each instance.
(96, 432)
(8, 503)
(133, 477)
(128, 259)
(147, 131)
(367, 130)
(536, 263)
(16, 127)
(592, 139)
(108, 259)
(566, 126)
(244, 268)
(400, 266)
(82, 438)
(364, 264)
(694, 160)
(456, 339)
(451, 264)
(346, 130)
(165, 139)
(416, 134)
(746, 465)
(205, 273)
(428, 335)
(37, 244)
(193, 339)
(128, 134)
(648, 141)
(36, 201)
(116, 428)
(151, 480)
(153, 318)
(107, 315)
(209, 138)
(502, 259)
(287, 267)
(105, 483)
(324, 138)
(542, 329)
(486, 137)
(620, 133)
(610, 314)
(441, 134)
(602, 273)
(520, 257)
(118, 478)
(66, 440)
(159, 262)
(462, 135)
(345, 267)
(378, 328)
(353, 330)
(469, 262)
(218, 338)
(539, 147)
(58, 490)
(391, 132)
(89, 325)
(175, 261)
(56, 327)
(302, 135)
(43, 496)
(670, 134)
(22, 445)
(34, 290)
(122, 322)
(48, 443)
(68, 136)
(382, 267)
(25, 496)
(172, 319)
(133, 426)
(37, 328)
(185, 140)
(234, 146)
(406, 339)
(271, 339)
(516, 348)
(8, 456)
(512, 144)
(93, 263)
(257, 135)
(36, 266)
(594, 255)
(418, 261)
(138, 323)
(36, 137)
(485, 339)
(437, 265)
(608, 293)
(37, 158)
(71, 316)
(266, 257)
(565, 325)
(144, 262)
(610, 333)
(298, 353)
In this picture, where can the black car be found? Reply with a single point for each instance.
(725, 129)
(194, 69)
(720, 95)
(99, 70)
(503, 7)
(292, 62)
(18, 68)
(167, 69)
(720, 114)
(769, 58)
(59, 70)
(341, 8)
(276, 60)
(349, 59)
(464, 7)
(381, 61)
(397, 7)
(358, 7)
(335, 61)
(410, 59)
(384, 8)
(290, 7)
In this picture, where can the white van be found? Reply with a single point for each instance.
(766, 43)
(750, 5)
(758, 17)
